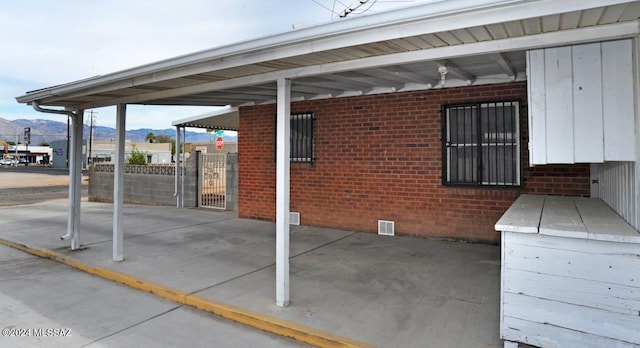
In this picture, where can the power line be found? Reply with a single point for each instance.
(368, 8)
(355, 9)
(326, 8)
(351, 9)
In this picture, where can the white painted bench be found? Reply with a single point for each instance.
(570, 274)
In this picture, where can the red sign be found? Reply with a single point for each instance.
(219, 143)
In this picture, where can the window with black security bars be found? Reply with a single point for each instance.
(481, 144)
(301, 138)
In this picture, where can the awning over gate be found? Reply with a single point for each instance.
(224, 119)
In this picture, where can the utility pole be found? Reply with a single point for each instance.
(27, 140)
(92, 120)
(16, 147)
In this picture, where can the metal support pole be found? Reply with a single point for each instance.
(283, 125)
(71, 149)
(118, 184)
(183, 168)
(68, 141)
(176, 153)
(636, 92)
(77, 177)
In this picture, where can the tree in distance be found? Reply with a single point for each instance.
(136, 156)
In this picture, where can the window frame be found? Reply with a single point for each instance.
(483, 140)
(296, 142)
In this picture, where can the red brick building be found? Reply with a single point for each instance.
(380, 157)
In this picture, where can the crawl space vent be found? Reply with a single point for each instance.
(386, 228)
(294, 219)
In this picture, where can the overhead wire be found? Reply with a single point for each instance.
(368, 8)
(355, 11)
(325, 7)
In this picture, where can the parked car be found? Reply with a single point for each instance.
(11, 161)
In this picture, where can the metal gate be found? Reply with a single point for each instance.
(213, 181)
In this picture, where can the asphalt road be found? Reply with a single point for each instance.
(35, 170)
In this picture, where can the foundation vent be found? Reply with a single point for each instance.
(294, 218)
(386, 228)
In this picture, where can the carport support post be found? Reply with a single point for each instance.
(75, 179)
(176, 156)
(77, 176)
(118, 183)
(283, 148)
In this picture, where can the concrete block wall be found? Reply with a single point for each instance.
(380, 158)
(140, 187)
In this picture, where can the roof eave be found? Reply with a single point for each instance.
(310, 35)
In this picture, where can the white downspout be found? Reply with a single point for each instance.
(183, 170)
(71, 229)
(177, 160)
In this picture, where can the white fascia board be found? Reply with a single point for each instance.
(559, 38)
(421, 19)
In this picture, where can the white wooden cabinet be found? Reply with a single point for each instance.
(581, 103)
(570, 274)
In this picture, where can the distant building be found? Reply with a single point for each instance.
(32, 154)
(104, 152)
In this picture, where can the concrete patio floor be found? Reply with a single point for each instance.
(386, 291)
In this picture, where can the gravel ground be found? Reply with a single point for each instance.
(25, 188)
(35, 194)
(10, 179)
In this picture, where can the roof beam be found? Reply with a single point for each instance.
(351, 81)
(457, 71)
(505, 65)
(575, 36)
(401, 73)
(309, 87)
(329, 82)
(379, 81)
(242, 94)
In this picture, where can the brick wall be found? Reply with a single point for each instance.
(380, 157)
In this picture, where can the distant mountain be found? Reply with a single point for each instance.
(48, 131)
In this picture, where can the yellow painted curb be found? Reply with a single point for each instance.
(254, 319)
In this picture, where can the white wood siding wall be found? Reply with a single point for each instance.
(581, 103)
(616, 187)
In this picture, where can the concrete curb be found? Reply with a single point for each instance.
(244, 316)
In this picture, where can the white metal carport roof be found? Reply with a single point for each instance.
(481, 42)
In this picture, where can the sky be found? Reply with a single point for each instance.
(46, 43)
